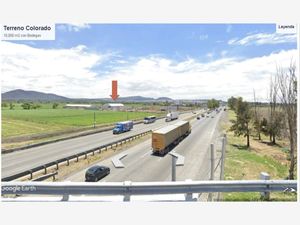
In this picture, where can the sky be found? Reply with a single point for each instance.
(180, 61)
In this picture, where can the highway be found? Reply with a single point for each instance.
(141, 165)
(20, 161)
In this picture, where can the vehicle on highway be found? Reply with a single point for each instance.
(198, 117)
(167, 137)
(203, 115)
(172, 116)
(123, 127)
(95, 173)
(149, 119)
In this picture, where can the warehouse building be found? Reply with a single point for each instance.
(78, 106)
(113, 106)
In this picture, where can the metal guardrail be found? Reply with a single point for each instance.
(72, 157)
(128, 188)
(44, 177)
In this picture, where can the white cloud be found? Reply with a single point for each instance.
(69, 72)
(73, 27)
(264, 38)
(62, 71)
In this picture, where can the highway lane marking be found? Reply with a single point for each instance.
(147, 153)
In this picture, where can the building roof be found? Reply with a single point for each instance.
(115, 104)
(78, 105)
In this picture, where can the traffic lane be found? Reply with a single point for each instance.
(141, 165)
(197, 155)
(16, 162)
(156, 168)
(133, 153)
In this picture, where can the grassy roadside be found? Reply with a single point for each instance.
(246, 164)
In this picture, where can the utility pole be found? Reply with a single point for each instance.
(94, 120)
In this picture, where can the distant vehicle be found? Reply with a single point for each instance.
(172, 116)
(203, 115)
(224, 109)
(95, 173)
(123, 127)
(207, 115)
(194, 112)
(212, 116)
(149, 119)
(198, 117)
(164, 138)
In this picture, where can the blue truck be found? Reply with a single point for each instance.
(123, 127)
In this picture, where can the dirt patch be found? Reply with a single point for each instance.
(268, 150)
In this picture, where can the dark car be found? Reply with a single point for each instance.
(95, 173)
(198, 117)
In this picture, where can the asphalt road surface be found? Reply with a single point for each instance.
(15, 162)
(141, 165)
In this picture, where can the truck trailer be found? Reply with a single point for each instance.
(165, 138)
(123, 127)
(172, 116)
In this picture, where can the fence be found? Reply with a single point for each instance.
(128, 188)
(72, 157)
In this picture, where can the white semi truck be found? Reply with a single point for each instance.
(172, 116)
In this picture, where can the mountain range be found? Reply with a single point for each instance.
(24, 95)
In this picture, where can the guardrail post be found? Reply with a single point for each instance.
(188, 196)
(68, 162)
(65, 198)
(31, 175)
(56, 165)
(85, 155)
(77, 158)
(127, 192)
(265, 195)
(45, 170)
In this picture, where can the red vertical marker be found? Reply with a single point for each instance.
(114, 88)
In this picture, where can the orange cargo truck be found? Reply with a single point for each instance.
(165, 138)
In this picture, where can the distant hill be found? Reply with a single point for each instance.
(19, 94)
(164, 99)
(134, 99)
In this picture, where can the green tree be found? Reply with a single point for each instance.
(55, 105)
(213, 103)
(232, 102)
(241, 126)
(26, 105)
(275, 128)
(11, 106)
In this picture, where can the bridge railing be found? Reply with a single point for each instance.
(128, 188)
